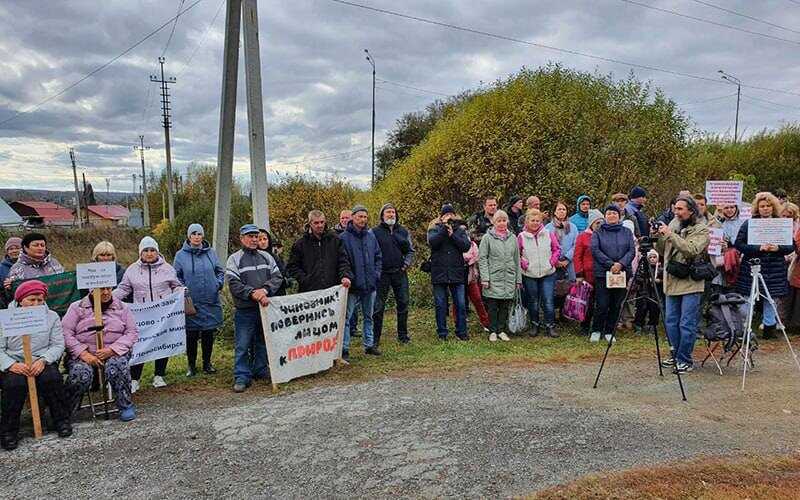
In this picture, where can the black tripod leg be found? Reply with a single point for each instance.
(602, 364)
(658, 352)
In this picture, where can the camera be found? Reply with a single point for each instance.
(655, 225)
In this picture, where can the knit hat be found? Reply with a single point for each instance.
(637, 192)
(13, 242)
(31, 237)
(147, 242)
(29, 288)
(195, 228)
(614, 208)
(359, 208)
(594, 216)
(447, 209)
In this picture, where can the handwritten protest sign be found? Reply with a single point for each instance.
(772, 231)
(724, 192)
(304, 332)
(162, 328)
(24, 321)
(745, 211)
(715, 236)
(96, 275)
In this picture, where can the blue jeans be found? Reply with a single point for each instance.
(768, 316)
(249, 351)
(681, 321)
(540, 292)
(457, 292)
(367, 303)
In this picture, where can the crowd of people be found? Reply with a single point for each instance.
(520, 255)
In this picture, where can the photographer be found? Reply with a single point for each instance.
(682, 242)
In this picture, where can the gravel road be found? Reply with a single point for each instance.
(488, 432)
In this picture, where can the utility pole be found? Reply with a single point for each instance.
(145, 203)
(372, 62)
(133, 195)
(108, 192)
(732, 79)
(165, 109)
(163, 206)
(85, 199)
(78, 215)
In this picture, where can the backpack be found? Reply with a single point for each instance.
(727, 319)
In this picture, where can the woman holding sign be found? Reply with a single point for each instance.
(45, 351)
(773, 264)
(148, 279)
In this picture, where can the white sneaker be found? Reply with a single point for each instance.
(610, 338)
(504, 337)
(492, 337)
(595, 337)
(134, 386)
(159, 382)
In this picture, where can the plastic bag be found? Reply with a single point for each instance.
(518, 318)
(576, 305)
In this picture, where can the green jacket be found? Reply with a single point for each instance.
(498, 261)
(682, 245)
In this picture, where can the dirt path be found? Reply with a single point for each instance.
(501, 431)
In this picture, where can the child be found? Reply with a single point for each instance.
(646, 298)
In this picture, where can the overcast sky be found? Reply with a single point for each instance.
(317, 84)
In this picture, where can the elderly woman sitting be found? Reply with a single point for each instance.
(119, 336)
(46, 351)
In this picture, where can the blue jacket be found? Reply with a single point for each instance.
(580, 219)
(200, 271)
(567, 244)
(5, 267)
(773, 266)
(641, 218)
(365, 258)
(612, 243)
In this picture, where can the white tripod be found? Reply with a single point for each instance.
(755, 294)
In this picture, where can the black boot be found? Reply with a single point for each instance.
(64, 429)
(534, 331)
(9, 441)
(769, 332)
(551, 332)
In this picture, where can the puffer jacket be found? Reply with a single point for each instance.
(119, 327)
(447, 253)
(365, 258)
(774, 268)
(148, 282)
(584, 264)
(5, 267)
(28, 268)
(499, 265)
(48, 347)
(612, 243)
(684, 245)
(198, 269)
(580, 219)
(318, 263)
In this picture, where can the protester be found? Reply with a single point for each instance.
(198, 269)
(791, 211)
(397, 254)
(516, 214)
(473, 288)
(252, 276)
(566, 232)
(613, 250)
(501, 274)
(105, 252)
(13, 248)
(344, 218)
(35, 260)
(584, 264)
(727, 216)
(702, 209)
(540, 254)
(364, 254)
(148, 279)
(627, 219)
(46, 351)
(791, 306)
(581, 216)
(780, 193)
(448, 240)
(481, 221)
(637, 198)
(268, 243)
(119, 336)
(531, 203)
(774, 268)
(318, 259)
(682, 242)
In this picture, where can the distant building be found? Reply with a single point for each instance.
(136, 220)
(8, 217)
(107, 215)
(43, 213)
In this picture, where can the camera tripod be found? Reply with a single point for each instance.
(647, 276)
(755, 294)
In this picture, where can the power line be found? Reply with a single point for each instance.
(729, 11)
(321, 158)
(202, 40)
(707, 100)
(554, 48)
(708, 21)
(99, 68)
(403, 92)
(413, 88)
(172, 31)
(782, 106)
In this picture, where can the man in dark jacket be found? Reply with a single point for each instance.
(365, 257)
(344, 218)
(252, 278)
(448, 240)
(635, 207)
(318, 259)
(481, 222)
(397, 254)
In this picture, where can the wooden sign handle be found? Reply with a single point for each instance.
(98, 317)
(32, 394)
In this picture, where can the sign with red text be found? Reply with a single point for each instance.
(304, 332)
(724, 192)
(715, 237)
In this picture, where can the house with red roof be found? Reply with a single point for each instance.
(108, 215)
(43, 213)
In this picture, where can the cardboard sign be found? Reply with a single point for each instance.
(772, 231)
(715, 236)
(724, 192)
(96, 275)
(616, 280)
(745, 211)
(24, 321)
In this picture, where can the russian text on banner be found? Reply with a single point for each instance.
(162, 328)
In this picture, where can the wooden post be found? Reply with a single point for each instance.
(32, 395)
(98, 322)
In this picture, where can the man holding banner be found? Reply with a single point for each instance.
(252, 276)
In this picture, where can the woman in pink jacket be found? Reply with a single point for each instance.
(119, 336)
(148, 279)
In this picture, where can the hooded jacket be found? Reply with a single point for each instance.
(612, 243)
(27, 267)
(447, 253)
(365, 258)
(48, 347)
(580, 219)
(199, 269)
(584, 264)
(318, 263)
(636, 212)
(499, 265)
(148, 282)
(774, 268)
(119, 328)
(478, 225)
(249, 270)
(397, 251)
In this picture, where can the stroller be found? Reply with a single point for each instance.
(726, 320)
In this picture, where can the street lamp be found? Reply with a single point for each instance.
(732, 79)
(372, 63)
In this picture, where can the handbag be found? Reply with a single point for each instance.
(518, 319)
(680, 270)
(576, 305)
(188, 305)
(562, 288)
(702, 270)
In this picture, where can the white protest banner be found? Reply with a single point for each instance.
(745, 211)
(162, 328)
(772, 231)
(24, 321)
(715, 236)
(96, 275)
(724, 192)
(304, 332)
